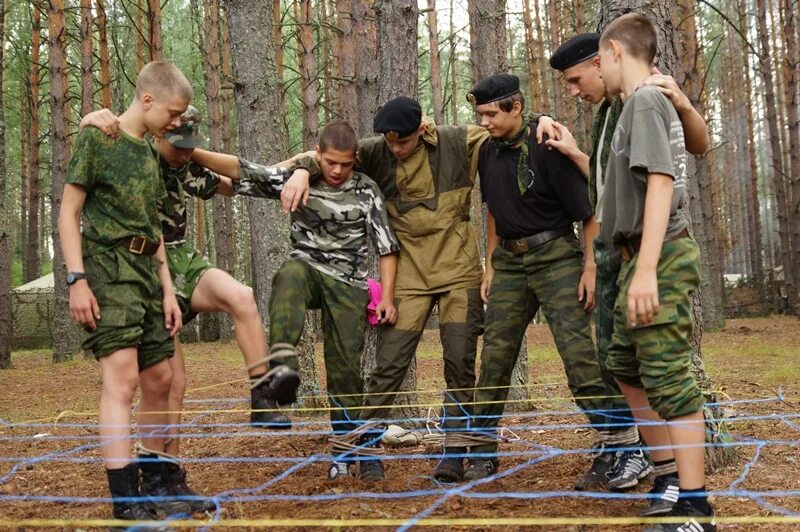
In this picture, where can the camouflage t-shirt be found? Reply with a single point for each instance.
(330, 233)
(123, 188)
(191, 179)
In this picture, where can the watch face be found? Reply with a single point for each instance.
(70, 278)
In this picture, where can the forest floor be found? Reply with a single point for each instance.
(749, 360)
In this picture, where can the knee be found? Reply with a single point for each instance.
(177, 386)
(242, 303)
(291, 269)
(121, 387)
(157, 380)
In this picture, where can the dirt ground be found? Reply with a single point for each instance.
(49, 448)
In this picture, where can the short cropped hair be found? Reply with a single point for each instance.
(507, 103)
(163, 77)
(339, 136)
(636, 33)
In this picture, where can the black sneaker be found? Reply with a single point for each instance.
(596, 477)
(664, 496)
(692, 520)
(371, 469)
(264, 409)
(175, 477)
(478, 468)
(340, 470)
(627, 469)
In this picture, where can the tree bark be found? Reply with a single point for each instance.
(66, 335)
(142, 34)
(87, 89)
(155, 40)
(347, 97)
(105, 67)
(660, 13)
(453, 64)
(552, 33)
(534, 88)
(24, 141)
(262, 137)
(5, 218)
(365, 32)
(436, 64)
(34, 163)
(308, 76)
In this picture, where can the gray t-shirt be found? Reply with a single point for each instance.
(648, 139)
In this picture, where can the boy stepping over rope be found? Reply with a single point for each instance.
(200, 287)
(327, 270)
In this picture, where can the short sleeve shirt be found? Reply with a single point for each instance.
(123, 188)
(190, 179)
(330, 232)
(557, 197)
(648, 139)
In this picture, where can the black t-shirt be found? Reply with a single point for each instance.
(558, 196)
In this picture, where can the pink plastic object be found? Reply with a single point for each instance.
(375, 291)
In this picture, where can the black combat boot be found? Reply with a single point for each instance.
(124, 484)
(154, 487)
(175, 477)
(450, 468)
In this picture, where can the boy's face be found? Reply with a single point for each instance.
(499, 123)
(403, 147)
(611, 66)
(337, 166)
(585, 82)
(162, 114)
(175, 157)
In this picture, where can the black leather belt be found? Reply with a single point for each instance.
(525, 244)
(629, 249)
(139, 245)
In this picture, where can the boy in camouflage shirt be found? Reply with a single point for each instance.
(120, 287)
(327, 269)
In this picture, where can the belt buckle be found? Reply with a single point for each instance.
(519, 246)
(133, 248)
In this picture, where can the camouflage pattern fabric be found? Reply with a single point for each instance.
(123, 188)
(606, 291)
(186, 267)
(298, 287)
(128, 292)
(658, 357)
(547, 275)
(460, 319)
(330, 232)
(190, 179)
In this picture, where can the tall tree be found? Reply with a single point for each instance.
(533, 59)
(24, 142)
(142, 34)
(5, 217)
(487, 30)
(105, 63)
(308, 75)
(65, 333)
(347, 99)
(87, 89)
(154, 20)
(262, 137)
(365, 32)
(436, 64)
(34, 163)
(660, 13)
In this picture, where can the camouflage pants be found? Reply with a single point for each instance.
(606, 291)
(547, 275)
(460, 320)
(128, 292)
(186, 266)
(298, 287)
(658, 357)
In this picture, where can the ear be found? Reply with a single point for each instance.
(318, 152)
(616, 49)
(147, 100)
(596, 61)
(517, 107)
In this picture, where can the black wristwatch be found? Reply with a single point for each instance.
(74, 277)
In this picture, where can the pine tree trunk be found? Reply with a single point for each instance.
(552, 34)
(308, 77)
(543, 66)
(5, 217)
(155, 40)
(105, 66)
(453, 64)
(262, 137)
(533, 59)
(347, 98)
(66, 334)
(365, 32)
(660, 13)
(228, 146)
(766, 69)
(24, 141)
(142, 34)
(436, 64)
(34, 163)
(87, 89)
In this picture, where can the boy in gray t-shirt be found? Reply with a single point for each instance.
(651, 353)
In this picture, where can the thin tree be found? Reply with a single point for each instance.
(87, 89)
(534, 87)
(154, 20)
(34, 163)
(436, 64)
(105, 63)
(65, 333)
(308, 75)
(142, 35)
(347, 97)
(365, 31)
(5, 218)
(24, 141)
(228, 141)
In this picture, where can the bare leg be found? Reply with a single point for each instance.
(120, 375)
(689, 435)
(155, 383)
(219, 292)
(176, 392)
(656, 436)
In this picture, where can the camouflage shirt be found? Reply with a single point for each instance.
(123, 188)
(330, 233)
(190, 179)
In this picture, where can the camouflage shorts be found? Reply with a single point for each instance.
(187, 266)
(128, 292)
(658, 357)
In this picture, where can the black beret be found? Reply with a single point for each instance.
(576, 50)
(398, 117)
(493, 88)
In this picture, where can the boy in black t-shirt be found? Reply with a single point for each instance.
(533, 259)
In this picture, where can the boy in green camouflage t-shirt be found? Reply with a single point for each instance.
(120, 287)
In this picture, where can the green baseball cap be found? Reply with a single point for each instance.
(187, 136)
